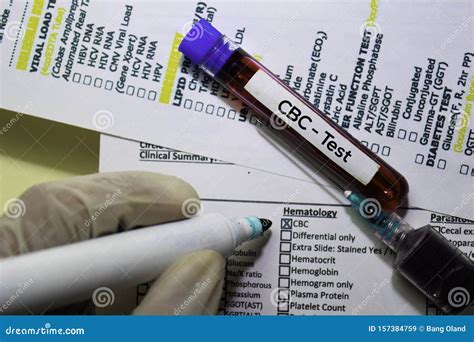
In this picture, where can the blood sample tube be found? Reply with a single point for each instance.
(311, 135)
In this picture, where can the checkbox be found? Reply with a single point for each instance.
(285, 235)
(284, 271)
(285, 247)
(284, 259)
(286, 223)
(375, 148)
(442, 164)
(419, 158)
(284, 295)
(402, 134)
(283, 306)
(284, 282)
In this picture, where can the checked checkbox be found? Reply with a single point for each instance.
(286, 223)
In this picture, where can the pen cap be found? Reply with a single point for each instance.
(206, 46)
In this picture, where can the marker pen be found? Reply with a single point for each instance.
(312, 135)
(67, 274)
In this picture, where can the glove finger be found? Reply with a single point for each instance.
(191, 286)
(80, 208)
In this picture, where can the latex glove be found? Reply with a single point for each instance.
(80, 208)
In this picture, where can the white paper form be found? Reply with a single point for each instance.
(404, 86)
(319, 257)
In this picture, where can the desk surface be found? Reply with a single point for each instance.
(34, 150)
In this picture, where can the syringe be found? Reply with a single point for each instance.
(423, 256)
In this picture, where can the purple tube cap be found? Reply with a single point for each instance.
(199, 41)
